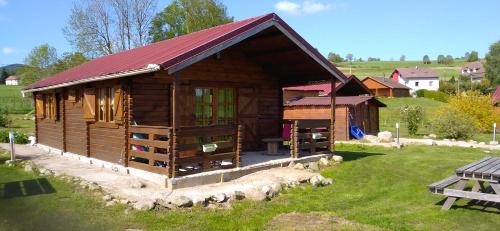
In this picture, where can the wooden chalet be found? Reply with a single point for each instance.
(162, 107)
(386, 87)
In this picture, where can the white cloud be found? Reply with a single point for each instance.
(9, 50)
(307, 7)
(286, 6)
(3, 2)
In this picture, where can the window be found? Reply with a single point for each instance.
(106, 104)
(416, 84)
(214, 106)
(50, 107)
(430, 83)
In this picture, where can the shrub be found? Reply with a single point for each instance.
(453, 124)
(412, 115)
(435, 95)
(477, 107)
(4, 119)
(19, 137)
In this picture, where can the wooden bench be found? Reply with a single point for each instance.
(439, 186)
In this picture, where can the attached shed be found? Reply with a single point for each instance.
(153, 108)
(351, 87)
(386, 87)
(362, 111)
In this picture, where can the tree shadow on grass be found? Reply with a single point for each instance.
(355, 155)
(25, 188)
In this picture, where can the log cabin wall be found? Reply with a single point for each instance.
(150, 99)
(50, 132)
(258, 94)
(321, 113)
(75, 125)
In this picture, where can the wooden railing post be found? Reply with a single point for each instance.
(312, 149)
(295, 138)
(332, 115)
(239, 144)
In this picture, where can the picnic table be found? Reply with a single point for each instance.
(485, 173)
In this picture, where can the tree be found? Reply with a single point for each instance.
(373, 59)
(4, 74)
(426, 59)
(335, 58)
(441, 59)
(67, 61)
(187, 16)
(473, 56)
(492, 64)
(349, 57)
(412, 115)
(38, 64)
(402, 58)
(448, 60)
(466, 56)
(102, 27)
(476, 106)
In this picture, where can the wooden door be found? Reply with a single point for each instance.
(247, 116)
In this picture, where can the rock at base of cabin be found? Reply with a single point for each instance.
(107, 197)
(316, 180)
(337, 158)
(256, 195)
(298, 166)
(28, 168)
(181, 201)
(238, 195)
(219, 198)
(493, 142)
(313, 166)
(371, 139)
(327, 181)
(432, 136)
(135, 183)
(385, 136)
(481, 143)
(144, 205)
(111, 203)
(94, 186)
(323, 161)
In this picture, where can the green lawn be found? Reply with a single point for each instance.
(12, 101)
(389, 115)
(385, 68)
(377, 187)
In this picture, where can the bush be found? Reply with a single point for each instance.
(4, 119)
(479, 108)
(435, 95)
(453, 124)
(19, 138)
(412, 115)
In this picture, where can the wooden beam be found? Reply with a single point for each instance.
(127, 118)
(63, 115)
(175, 123)
(332, 115)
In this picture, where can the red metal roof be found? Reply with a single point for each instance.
(171, 52)
(339, 100)
(12, 77)
(496, 95)
(325, 88)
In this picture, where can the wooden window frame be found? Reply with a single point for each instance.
(105, 116)
(215, 104)
(51, 102)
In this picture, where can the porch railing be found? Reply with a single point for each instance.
(190, 157)
(309, 136)
(150, 148)
(158, 149)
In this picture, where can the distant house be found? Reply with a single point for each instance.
(417, 78)
(352, 87)
(386, 87)
(495, 97)
(361, 111)
(473, 70)
(12, 80)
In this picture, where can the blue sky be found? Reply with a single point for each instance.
(384, 29)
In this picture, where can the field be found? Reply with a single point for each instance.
(12, 101)
(374, 188)
(385, 68)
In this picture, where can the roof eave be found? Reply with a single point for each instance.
(148, 69)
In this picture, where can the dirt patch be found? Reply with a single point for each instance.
(314, 221)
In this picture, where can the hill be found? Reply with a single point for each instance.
(12, 101)
(385, 68)
(12, 68)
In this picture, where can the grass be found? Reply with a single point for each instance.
(12, 101)
(385, 68)
(389, 115)
(374, 187)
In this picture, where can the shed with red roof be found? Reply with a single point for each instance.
(161, 107)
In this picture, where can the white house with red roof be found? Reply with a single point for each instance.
(12, 80)
(417, 78)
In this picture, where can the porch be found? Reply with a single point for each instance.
(185, 152)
